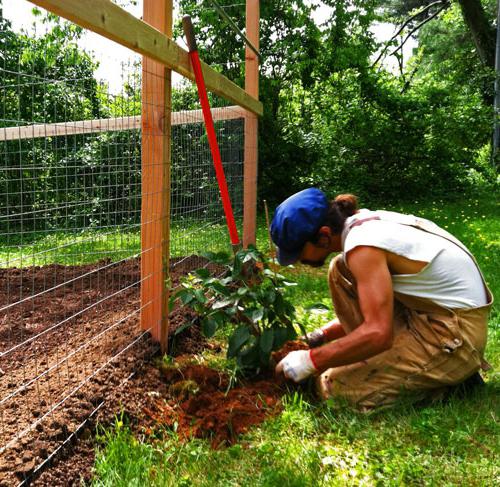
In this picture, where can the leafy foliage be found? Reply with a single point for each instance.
(249, 298)
(333, 120)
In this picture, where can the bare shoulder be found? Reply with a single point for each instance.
(365, 257)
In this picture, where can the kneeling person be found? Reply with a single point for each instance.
(411, 302)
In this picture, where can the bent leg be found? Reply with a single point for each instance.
(431, 349)
(430, 352)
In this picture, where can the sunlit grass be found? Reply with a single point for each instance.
(89, 246)
(311, 443)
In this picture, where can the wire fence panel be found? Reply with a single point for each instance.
(197, 218)
(69, 250)
(70, 234)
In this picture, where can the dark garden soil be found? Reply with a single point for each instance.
(190, 396)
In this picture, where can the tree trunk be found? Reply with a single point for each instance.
(482, 32)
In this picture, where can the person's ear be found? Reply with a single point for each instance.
(324, 237)
(324, 230)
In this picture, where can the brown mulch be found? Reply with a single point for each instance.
(201, 405)
(288, 347)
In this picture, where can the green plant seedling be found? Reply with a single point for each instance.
(249, 297)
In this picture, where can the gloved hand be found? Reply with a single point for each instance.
(297, 365)
(315, 339)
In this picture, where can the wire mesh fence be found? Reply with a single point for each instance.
(70, 234)
(197, 218)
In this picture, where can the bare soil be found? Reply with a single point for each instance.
(73, 366)
(61, 354)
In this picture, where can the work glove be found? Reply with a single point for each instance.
(315, 339)
(297, 365)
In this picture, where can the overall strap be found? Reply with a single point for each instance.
(418, 223)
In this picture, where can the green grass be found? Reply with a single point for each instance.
(89, 246)
(315, 444)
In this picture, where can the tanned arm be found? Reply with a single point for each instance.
(375, 334)
(333, 330)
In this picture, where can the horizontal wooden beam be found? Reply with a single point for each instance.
(69, 128)
(110, 124)
(111, 21)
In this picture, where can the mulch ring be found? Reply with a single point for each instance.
(199, 404)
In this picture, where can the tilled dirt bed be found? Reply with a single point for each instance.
(92, 380)
(61, 354)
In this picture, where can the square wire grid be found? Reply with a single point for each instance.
(70, 240)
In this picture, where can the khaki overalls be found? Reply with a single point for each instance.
(433, 346)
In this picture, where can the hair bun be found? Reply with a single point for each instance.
(347, 204)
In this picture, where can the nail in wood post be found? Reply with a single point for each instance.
(251, 125)
(155, 210)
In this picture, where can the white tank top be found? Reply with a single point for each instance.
(450, 279)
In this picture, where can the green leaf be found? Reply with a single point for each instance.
(208, 327)
(200, 296)
(174, 297)
(257, 315)
(266, 340)
(187, 297)
(249, 359)
(279, 304)
(240, 336)
(203, 273)
(219, 317)
(231, 311)
(281, 335)
(269, 295)
(220, 288)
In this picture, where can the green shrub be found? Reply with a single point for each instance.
(249, 299)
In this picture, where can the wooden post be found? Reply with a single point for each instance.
(251, 125)
(155, 210)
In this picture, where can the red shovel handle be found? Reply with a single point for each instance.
(209, 125)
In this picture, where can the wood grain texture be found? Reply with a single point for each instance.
(251, 126)
(111, 124)
(155, 207)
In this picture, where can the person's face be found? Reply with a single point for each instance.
(314, 255)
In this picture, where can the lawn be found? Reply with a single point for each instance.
(115, 243)
(311, 443)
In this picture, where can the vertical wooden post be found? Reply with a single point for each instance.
(155, 209)
(251, 124)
